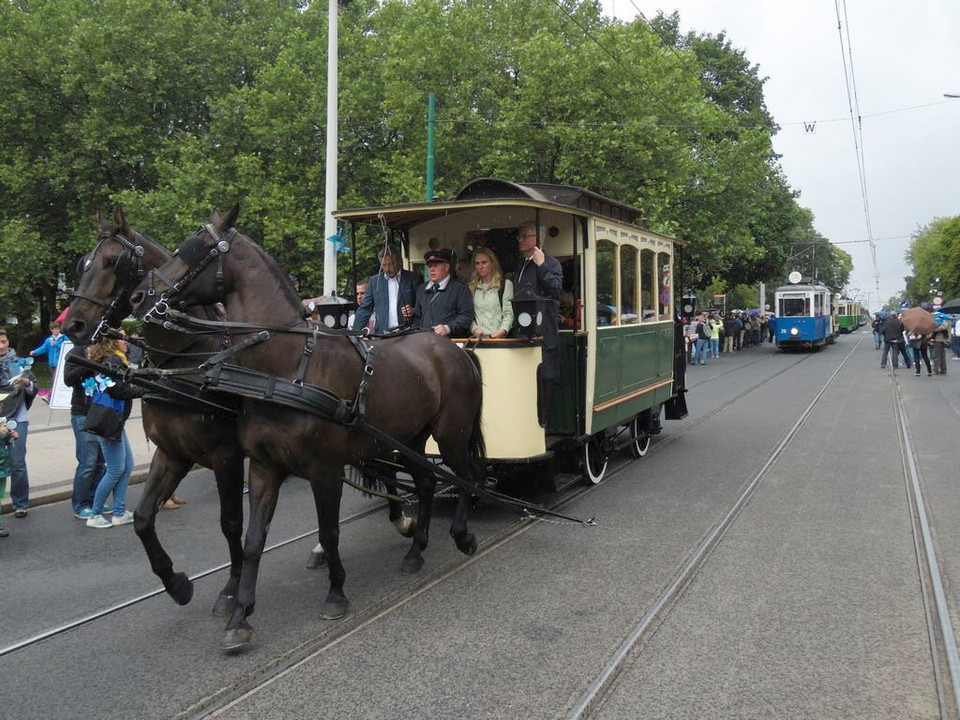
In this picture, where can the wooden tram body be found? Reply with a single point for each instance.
(806, 316)
(618, 354)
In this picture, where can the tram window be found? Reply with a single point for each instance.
(795, 307)
(664, 288)
(629, 289)
(648, 286)
(606, 283)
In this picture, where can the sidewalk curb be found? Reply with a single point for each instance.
(45, 497)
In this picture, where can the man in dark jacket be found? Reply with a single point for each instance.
(87, 448)
(893, 340)
(540, 275)
(444, 304)
(390, 295)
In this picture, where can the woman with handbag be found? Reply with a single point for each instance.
(112, 400)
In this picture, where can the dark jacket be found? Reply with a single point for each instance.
(19, 399)
(73, 376)
(377, 299)
(544, 281)
(893, 330)
(452, 306)
(122, 390)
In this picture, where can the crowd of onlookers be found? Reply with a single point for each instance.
(914, 346)
(708, 334)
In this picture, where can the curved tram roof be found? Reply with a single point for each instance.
(492, 191)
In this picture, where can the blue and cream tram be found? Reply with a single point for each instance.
(806, 316)
(618, 365)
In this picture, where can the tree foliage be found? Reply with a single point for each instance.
(176, 108)
(934, 255)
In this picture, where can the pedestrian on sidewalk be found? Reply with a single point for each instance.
(892, 339)
(109, 428)
(51, 347)
(7, 438)
(955, 340)
(918, 341)
(939, 340)
(20, 383)
(90, 465)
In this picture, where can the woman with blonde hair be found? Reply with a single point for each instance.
(492, 294)
(110, 432)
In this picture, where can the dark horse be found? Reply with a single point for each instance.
(184, 433)
(420, 385)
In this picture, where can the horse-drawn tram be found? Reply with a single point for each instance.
(618, 362)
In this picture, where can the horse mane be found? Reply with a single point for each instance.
(281, 277)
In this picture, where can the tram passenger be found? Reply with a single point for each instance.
(444, 304)
(390, 294)
(492, 294)
(540, 275)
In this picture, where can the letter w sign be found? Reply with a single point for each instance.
(810, 127)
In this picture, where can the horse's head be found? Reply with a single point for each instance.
(194, 275)
(106, 276)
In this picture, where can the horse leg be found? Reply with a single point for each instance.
(165, 474)
(404, 524)
(265, 484)
(426, 484)
(327, 493)
(228, 469)
(459, 463)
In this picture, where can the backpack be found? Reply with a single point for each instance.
(703, 331)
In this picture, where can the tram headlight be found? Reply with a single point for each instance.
(794, 331)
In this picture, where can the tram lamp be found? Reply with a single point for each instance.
(335, 311)
(529, 312)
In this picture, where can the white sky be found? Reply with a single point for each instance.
(905, 54)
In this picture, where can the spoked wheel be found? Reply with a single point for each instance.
(639, 438)
(594, 460)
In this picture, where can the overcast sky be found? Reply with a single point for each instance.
(906, 55)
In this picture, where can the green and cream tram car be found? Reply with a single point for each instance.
(850, 315)
(619, 360)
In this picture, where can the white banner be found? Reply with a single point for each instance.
(60, 392)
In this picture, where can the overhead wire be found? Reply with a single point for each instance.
(856, 124)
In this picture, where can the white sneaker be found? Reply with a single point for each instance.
(124, 519)
(98, 521)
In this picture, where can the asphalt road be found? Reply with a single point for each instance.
(810, 606)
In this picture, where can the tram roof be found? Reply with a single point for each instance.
(493, 191)
(803, 288)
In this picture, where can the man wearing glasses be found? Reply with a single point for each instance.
(540, 275)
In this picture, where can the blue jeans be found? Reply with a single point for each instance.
(878, 336)
(19, 482)
(702, 350)
(118, 455)
(715, 346)
(955, 342)
(89, 469)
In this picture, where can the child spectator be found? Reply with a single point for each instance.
(7, 436)
(51, 347)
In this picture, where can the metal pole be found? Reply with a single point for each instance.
(330, 194)
(431, 125)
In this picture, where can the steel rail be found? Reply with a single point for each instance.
(939, 625)
(124, 604)
(630, 648)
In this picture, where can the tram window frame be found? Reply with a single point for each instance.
(664, 263)
(648, 314)
(790, 302)
(629, 284)
(612, 290)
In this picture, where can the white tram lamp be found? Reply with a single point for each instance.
(334, 312)
(794, 331)
(530, 312)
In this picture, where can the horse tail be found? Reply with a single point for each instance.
(476, 446)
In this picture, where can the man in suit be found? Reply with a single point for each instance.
(540, 275)
(444, 304)
(390, 294)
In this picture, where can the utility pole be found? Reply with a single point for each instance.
(330, 194)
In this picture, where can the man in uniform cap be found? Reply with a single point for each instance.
(444, 304)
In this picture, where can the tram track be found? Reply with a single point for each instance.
(943, 644)
(277, 666)
(624, 656)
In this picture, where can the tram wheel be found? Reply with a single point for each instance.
(640, 438)
(594, 460)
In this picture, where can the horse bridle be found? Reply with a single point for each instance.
(128, 269)
(197, 256)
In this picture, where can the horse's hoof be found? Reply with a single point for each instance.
(237, 640)
(334, 609)
(316, 559)
(181, 589)
(467, 544)
(411, 565)
(225, 605)
(406, 526)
